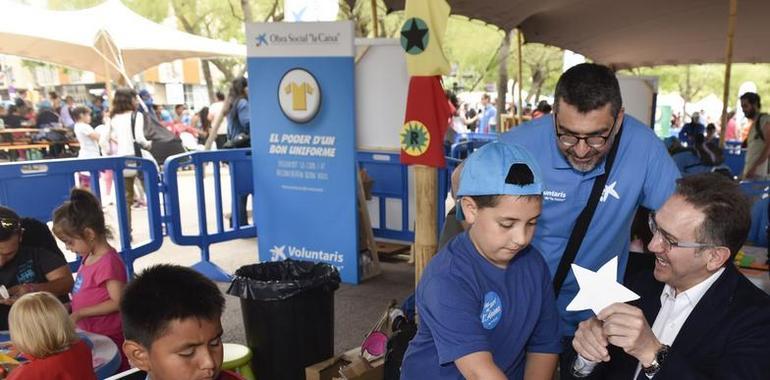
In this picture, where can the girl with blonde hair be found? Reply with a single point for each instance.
(42, 330)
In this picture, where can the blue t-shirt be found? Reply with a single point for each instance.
(688, 132)
(490, 112)
(466, 304)
(643, 174)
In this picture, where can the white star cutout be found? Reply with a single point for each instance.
(609, 191)
(599, 289)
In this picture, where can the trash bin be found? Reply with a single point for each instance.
(288, 315)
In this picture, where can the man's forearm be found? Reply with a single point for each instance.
(540, 366)
(59, 287)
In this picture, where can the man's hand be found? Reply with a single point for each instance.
(625, 327)
(590, 341)
(22, 289)
(8, 301)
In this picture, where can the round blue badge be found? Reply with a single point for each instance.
(492, 311)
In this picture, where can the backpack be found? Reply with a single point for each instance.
(758, 134)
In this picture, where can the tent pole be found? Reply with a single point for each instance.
(107, 82)
(519, 78)
(728, 66)
(376, 27)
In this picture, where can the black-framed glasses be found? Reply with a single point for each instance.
(669, 241)
(10, 224)
(570, 140)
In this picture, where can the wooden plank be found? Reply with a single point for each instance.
(366, 235)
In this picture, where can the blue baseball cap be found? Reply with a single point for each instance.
(488, 171)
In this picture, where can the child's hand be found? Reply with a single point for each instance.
(75, 316)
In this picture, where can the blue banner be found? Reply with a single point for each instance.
(301, 98)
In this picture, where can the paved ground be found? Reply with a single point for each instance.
(357, 308)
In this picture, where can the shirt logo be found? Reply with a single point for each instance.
(492, 311)
(556, 196)
(25, 274)
(609, 191)
(78, 284)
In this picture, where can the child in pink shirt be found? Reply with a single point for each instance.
(79, 223)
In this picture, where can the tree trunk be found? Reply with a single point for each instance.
(248, 15)
(208, 79)
(225, 69)
(502, 81)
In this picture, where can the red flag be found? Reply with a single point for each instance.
(427, 111)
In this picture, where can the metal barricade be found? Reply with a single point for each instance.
(735, 157)
(391, 184)
(35, 188)
(238, 162)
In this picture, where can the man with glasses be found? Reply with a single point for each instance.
(698, 317)
(30, 261)
(571, 147)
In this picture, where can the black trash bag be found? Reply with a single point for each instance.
(280, 280)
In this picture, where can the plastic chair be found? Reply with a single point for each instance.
(237, 358)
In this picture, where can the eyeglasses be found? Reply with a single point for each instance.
(669, 241)
(9, 224)
(569, 140)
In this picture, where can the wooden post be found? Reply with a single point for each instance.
(728, 66)
(520, 76)
(425, 230)
(502, 80)
(375, 23)
(366, 241)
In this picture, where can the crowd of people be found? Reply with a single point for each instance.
(482, 118)
(132, 125)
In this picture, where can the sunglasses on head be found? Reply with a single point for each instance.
(9, 224)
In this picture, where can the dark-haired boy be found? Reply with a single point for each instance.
(485, 301)
(171, 321)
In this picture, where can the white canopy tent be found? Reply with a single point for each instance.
(108, 39)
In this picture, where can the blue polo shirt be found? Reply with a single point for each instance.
(490, 112)
(643, 174)
(466, 304)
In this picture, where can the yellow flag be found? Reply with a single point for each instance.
(422, 37)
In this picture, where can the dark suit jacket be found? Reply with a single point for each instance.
(727, 335)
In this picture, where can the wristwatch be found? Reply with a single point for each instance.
(654, 367)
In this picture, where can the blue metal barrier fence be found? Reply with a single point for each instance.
(35, 188)
(238, 162)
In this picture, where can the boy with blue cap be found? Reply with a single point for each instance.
(485, 302)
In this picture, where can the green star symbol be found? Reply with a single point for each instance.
(414, 36)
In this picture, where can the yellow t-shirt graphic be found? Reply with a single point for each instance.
(299, 93)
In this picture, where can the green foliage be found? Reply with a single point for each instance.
(71, 5)
(706, 79)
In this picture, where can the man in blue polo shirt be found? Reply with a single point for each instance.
(589, 113)
(487, 115)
